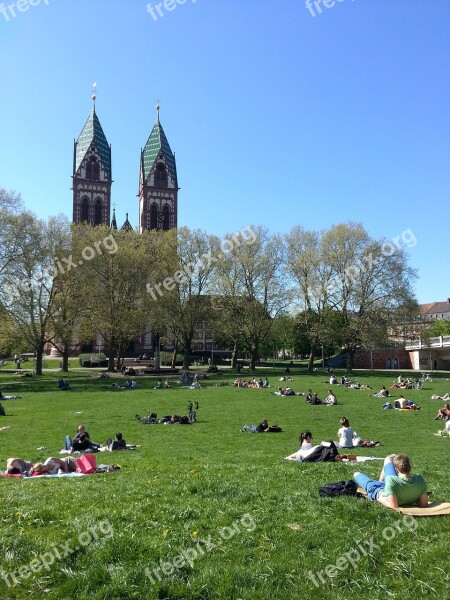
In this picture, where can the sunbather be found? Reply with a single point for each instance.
(350, 439)
(331, 399)
(443, 413)
(445, 397)
(383, 393)
(306, 446)
(396, 486)
(16, 466)
(407, 404)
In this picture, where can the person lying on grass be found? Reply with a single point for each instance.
(16, 466)
(396, 485)
(9, 397)
(263, 427)
(445, 397)
(407, 404)
(53, 466)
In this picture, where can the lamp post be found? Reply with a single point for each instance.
(323, 359)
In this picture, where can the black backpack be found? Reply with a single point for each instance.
(323, 453)
(342, 488)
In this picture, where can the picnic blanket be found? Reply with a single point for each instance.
(434, 509)
(58, 475)
(345, 460)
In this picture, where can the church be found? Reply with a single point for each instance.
(92, 179)
(158, 201)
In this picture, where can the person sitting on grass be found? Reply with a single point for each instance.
(383, 393)
(396, 485)
(63, 384)
(331, 399)
(445, 432)
(117, 444)
(443, 413)
(81, 442)
(350, 439)
(315, 399)
(306, 447)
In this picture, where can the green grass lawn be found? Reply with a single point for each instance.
(218, 512)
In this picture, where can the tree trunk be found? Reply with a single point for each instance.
(111, 360)
(65, 358)
(173, 364)
(39, 357)
(186, 353)
(349, 363)
(253, 358)
(234, 356)
(311, 360)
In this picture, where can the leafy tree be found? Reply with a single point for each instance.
(28, 289)
(112, 271)
(180, 288)
(257, 279)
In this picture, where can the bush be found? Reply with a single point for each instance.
(93, 360)
(166, 359)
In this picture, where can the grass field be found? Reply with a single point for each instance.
(218, 512)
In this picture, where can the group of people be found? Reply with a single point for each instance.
(130, 384)
(82, 442)
(313, 398)
(51, 466)
(160, 385)
(253, 383)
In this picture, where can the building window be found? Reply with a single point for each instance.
(166, 217)
(85, 210)
(98, 212)
(153, 216)
(160, 175)
(92, 169)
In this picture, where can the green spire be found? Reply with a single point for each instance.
(157, 144)
(93, 132)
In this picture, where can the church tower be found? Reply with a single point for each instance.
(92, 175)
(158, 184)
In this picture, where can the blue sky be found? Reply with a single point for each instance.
(277, 117)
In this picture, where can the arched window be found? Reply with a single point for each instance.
(166, 219)
(85, 210)
(154, 216)
(98, 212)
(95, 170)
(92, 169)
(160, 175)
